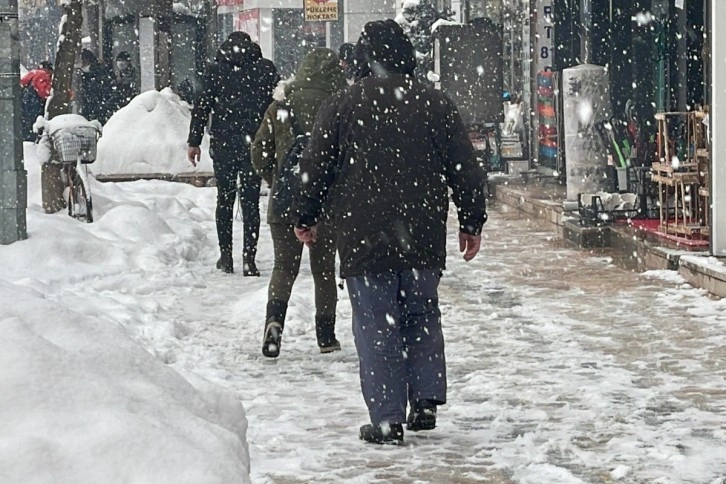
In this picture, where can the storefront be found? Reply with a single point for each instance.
(280, 27)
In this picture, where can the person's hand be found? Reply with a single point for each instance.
(469, 245)
(307, 235)
(194, 153)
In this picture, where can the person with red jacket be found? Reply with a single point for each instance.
(36, 85)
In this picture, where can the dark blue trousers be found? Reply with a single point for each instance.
(397, 330)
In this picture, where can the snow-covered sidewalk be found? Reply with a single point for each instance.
(562, 367)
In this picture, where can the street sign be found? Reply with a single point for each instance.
(321, 10)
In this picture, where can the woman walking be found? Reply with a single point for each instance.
(292, 113)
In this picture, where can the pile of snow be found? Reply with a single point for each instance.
(81, 402)
(149, 136)
(80, 399)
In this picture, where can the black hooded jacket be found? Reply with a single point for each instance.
(237, 89)
(387, 150)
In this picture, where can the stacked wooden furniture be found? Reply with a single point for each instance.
(679, 178)
(703, 158)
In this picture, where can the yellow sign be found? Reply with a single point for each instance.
(321, 10)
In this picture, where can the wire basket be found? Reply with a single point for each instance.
(74, 144)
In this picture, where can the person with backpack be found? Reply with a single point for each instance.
(237, 89)
(387, 151)
(275, 152)
(36, 87)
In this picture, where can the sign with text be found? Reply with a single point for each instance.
(321, 10)
(545, 39)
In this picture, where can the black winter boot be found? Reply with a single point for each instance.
(325, 332)
(249, 268)
(274, 324)
(225, 263)
(422, 416)
(391, 434)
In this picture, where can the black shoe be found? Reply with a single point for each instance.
(250, 269)
(329, 346)
(382, 434)
(325, 332)
(225, 263)
(422, 416)
(272, 339)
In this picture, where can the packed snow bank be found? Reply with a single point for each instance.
(149, 136)
(80, 400)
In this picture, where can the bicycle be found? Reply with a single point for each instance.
(73, 145)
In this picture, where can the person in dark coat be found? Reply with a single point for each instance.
(36, 88)
(97, 89)
(238, 89)
(318, 77)
(346, 52)
(126, 87)
(386, 151)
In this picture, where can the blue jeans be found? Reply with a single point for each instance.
(397, 330)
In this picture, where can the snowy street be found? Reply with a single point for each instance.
(562, 367)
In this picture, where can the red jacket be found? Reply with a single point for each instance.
(40, 80)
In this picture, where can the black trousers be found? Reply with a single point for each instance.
(232, 164)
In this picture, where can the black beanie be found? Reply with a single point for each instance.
(384, 48)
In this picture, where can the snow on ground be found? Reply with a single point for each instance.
(158, 142)
(562, 367)
(80, 399)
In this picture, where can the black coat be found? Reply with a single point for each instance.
(386, 150)
(237, 90)
(97, 91)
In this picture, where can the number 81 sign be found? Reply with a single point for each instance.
(545, 35)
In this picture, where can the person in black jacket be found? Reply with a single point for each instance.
(97, 89)
(238, 88)
(386, 151)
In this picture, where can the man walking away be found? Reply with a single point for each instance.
(97, 83)
(36, 87)
(237, 89)
(393, 147)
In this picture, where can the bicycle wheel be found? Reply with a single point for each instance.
(79, 203)
(81, 200)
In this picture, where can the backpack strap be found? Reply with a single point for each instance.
(296, 129)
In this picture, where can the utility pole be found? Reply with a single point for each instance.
(60, 103)
(13, 178)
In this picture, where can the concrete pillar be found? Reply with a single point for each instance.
(13, 178)
(586, 102)
(718, 129)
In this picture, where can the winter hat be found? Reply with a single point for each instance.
(88, 56)
(346, 52)
(238, 49)
(384, 48)
(46, 65)
(321, 69)
(123, 56)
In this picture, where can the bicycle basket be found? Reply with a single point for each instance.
(76, 143)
